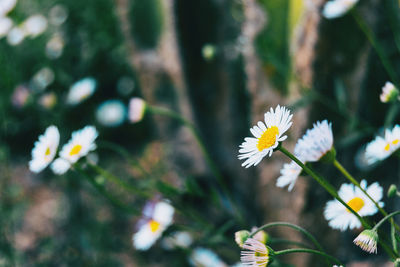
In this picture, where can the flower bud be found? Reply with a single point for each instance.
(241, 237)
(392, 190)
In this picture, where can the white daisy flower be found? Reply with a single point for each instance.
(152, 230)
(45, 149)
(289, 174)
(202, 257)
(389, 92)
(367, 241)
(181, 239)
(316, 143)
(81, 90)
(80, 144)
(111, 113)
(60, 166)
(256, 254)
(137, 108)
(337, 8)
(340, 217)
(266, 136)
(383, 147)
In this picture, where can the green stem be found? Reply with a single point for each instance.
(306, 250)
(385, 219)
(391, 114)
(118, 181)
(124, 153)
(290, 225)
(331, 190)
(393, 237)
(104, 193)
(325, 184)
(356, 183)
(374, 42)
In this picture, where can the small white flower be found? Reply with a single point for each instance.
(316, 142)
(45, 149)
(255, 254)
(340, 217)
(81, 90)
(60, 166)
(202, 257)
(383, 147)
(266, 136)
(152, 230)
(337, 8)
(6, 6)
(389, 92)
(5, 26)
(34, 25)
(289, 174)
(137, 108)
(111, 113)
(80, 144)
(367, 241)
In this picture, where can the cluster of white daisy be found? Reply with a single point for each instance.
(45, 149)
(316, 145)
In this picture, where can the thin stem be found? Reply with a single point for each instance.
(331, 190)
(325, 184)
(306, 250)
(290, 225)
(374, 42)
(393, 237)
(391, 114)
(104, 193)
(124, 153)
(118, 181)
(340, 167)
(384, 219)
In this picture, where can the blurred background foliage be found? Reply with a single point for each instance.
(219, 63)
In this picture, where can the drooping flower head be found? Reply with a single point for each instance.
(340, 217)
(389, 93)
(254, 254)
(337, 8)
(383, 147)
(157, 218)
(81, 90)
(367, 241)
(267, 136)
(316, 143)
(45, 149)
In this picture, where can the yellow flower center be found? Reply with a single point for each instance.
(154, 226)
(262, 258)
(268, 138)
(75, 150)
(394, 142)
(356, 204)
(47, 153)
